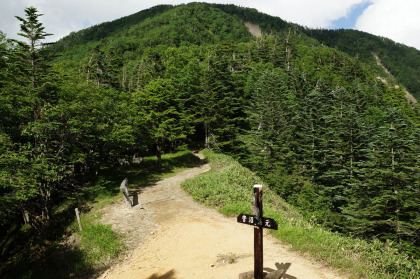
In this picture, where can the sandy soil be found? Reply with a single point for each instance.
(175, 237)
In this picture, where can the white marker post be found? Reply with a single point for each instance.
(78, 218)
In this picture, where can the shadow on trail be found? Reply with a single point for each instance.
(281, 270)
(146, 173)
(135, 195)
(168, 275)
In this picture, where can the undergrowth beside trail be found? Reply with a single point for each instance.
(229, 186)
(65, 252)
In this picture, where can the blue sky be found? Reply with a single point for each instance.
(349, 21)
(397, 20)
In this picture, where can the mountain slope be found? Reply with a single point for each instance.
(192, 24)
(402, 61)
(107, 29)
(201, 23)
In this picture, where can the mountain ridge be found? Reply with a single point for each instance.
(357, 44)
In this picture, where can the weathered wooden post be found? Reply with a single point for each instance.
(258, 234)
(124, 191)
(259, 222)
(78, 218)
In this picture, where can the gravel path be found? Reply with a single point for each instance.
(175, 237)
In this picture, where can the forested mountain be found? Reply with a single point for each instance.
(318, 123)
(403, 62)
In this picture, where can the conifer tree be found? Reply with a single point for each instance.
(158, 112)
(34, 60)
(41, 93)
(220, 102)
(270, 115)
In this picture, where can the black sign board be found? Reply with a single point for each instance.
(252, 220)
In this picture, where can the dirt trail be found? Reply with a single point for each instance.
(174, 237)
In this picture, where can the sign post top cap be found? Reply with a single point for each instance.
(258, 186)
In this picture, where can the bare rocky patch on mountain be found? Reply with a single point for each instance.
(254, 29)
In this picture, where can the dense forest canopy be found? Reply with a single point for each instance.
(403, 62)
(303, 108)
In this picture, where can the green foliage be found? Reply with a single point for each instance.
(228, 187)
(320, 150)
(33, 60)
(99, 243)
(269, 118)
(232, 195)
(158, 111)
(101, 31)
(402, 61)
(314, 122)
(29, 170)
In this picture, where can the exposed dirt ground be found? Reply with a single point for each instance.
(175, 237)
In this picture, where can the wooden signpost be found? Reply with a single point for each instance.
(259, 222)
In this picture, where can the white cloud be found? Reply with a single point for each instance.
(397, 20)
(63, 16)
(310, 13)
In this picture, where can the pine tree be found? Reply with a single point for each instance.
(220, 103)
(384, 200)
(34, 59)
(36, 77)
(158, 111)
(268, 119)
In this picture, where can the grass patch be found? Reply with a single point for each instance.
(229, 187)
(99, 243)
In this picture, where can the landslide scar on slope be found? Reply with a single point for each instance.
(254, 29)
(379, 62)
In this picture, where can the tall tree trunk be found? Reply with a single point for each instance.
(124, 77)
(26, 216)
(206, 136)
(159, 152)
(351, 152)
(392, 147)
(288, 52)
(46, 201)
